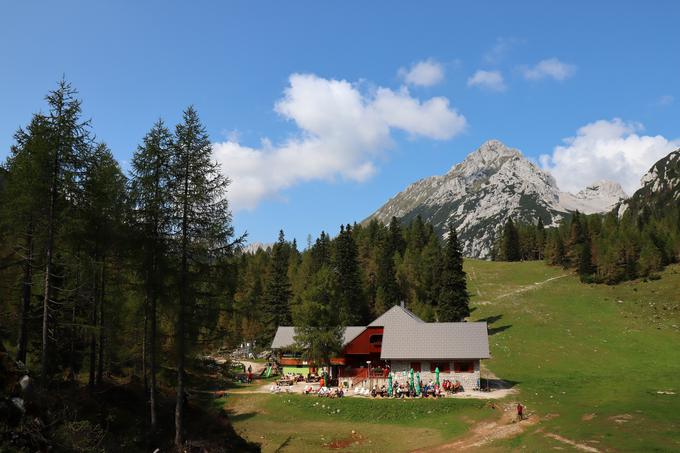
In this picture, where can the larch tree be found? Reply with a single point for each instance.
(69, 145)
(202, 231)
(151, 197)
(22, 209)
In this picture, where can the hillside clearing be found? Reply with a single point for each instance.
(596, 364)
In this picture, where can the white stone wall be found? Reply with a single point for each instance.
(468, 380)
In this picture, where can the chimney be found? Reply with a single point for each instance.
(402, 304)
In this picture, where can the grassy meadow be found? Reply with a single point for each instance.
(600, 366)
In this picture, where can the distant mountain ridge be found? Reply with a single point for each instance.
(493, 183)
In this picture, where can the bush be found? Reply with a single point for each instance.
(79, 436)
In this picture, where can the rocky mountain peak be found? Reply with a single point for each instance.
(491, 184)
(491, 155)
(600, 189)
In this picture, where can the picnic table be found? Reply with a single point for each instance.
(285, 381)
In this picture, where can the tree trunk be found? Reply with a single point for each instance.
(48, 266)
(102, 333)
(152, 362)
(144, 341)
(72, 350)
(93, 334)
(179, 409)
(22, 343)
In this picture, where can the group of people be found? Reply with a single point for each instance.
(276, 388)
(406, 390)
(335, 392)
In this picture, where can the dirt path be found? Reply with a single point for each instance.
(486, 432)
(576, 445)
(526, 288)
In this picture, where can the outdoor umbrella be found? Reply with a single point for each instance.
(389, 384)
(436, 375)
(418, 383)
(411, 373)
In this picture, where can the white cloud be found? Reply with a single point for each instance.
(499, 50)
(552, 67)
(490, 80)
(611, 150)
(423, 73)
(342, 131)
(666, 99)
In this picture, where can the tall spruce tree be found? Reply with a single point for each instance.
(318, 325)
(201, 231)
(351, 301)
(278, 289)
(510, 247)
(454, 300)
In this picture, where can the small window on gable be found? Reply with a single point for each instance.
(464, 366)
(375, 340)
(415, 366)
(443, 367)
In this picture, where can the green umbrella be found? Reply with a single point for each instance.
(412, 385)
(389, 384)
(418, 383)
(436, 375)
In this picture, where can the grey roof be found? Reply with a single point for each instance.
(438, 340)
(285, 336)
(396, 315)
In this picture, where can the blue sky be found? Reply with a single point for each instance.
(314, 108)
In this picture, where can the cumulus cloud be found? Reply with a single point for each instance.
(551, 67)
(612, 150)
(342, 132)
(489, 80)
(423, 73)
(500, 49)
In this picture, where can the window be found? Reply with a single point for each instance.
(443, 367)
(375, 340)
(464, 366)
(415, 366)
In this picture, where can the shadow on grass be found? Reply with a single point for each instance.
(492, 320)
(497, 384)
(495, 330)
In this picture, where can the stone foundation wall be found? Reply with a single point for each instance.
(469, 381)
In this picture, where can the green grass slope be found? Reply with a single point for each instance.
(599, 364)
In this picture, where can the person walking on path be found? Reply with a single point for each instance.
(520, 412)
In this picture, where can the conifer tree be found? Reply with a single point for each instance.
(202, 232)
(510, 250)
(70, 143)
(351, 301)
(151, 198)
(278, 289)
(454, 299)
(22, 209)
(318, 325)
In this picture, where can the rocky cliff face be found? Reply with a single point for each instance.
(660, 187)
(479, 194)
